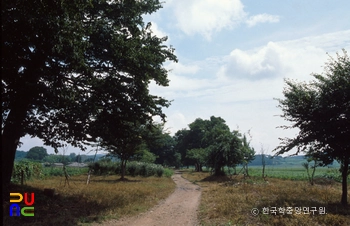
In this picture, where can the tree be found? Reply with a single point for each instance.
(147, 156)
(123, 142)
(199, 155)
(54, 158)
(190, 139)
(248, 153)
(321, 111)
(181, 139)
(37, 153)
(159, 142)
(20, 155)
(72, 157)
(210, 143)
(263, 162)
(307, 166)
(78, 61)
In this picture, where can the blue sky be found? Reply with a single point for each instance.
(234, 55)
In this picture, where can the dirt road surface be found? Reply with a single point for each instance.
(180, 208)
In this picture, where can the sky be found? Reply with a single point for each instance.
(233, 57)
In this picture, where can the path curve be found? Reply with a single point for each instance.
(180, 208)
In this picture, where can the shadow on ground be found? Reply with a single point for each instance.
(56, 210)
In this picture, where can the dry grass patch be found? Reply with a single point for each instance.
(229, 201)
(105, 197)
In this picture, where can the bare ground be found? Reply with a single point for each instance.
(180, 208)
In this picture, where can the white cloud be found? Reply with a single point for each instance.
(179, 68)
(248, 75)
(293, 59)
(262, 18)
(157, 32)
(207, 16)
(263, 63)
(243, 89)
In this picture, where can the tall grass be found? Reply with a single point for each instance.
(229, 201)
(105, 197)
(58, 171)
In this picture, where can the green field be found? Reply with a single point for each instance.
(295, 172)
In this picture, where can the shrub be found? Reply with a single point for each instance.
(25, 170)
(103, 167)
(168, 172)
(159, 171)
(133, 168)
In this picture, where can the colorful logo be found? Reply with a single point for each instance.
(16, 210)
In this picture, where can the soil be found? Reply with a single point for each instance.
(180, 208)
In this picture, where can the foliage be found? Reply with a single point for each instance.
(72, 157)
(133, 168)
(122, 142)
(199, 155)
(307, 166)
(37, 153)
(27, 169)
(54, 158)
(211, 143)
(159, 142)
(83, 63)
(247, 152)
(321, 111)
(146, 156)
(20, 155)
(168, 172)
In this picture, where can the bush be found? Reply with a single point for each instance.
(168, 172)
(132, 168)
(103, 167)
(25, 170)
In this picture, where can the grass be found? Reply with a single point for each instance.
(229, 201)
(106, 197)
(58, 171)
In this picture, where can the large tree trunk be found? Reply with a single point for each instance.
(345, 169)
(12, 132)
(19, 107)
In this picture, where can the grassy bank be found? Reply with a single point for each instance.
(230, 201)
(105, 197)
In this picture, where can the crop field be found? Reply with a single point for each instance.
(295, 172)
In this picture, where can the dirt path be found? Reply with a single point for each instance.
(180, 208)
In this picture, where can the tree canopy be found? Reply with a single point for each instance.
(37, 153)
(70, 66)
(211, 143)
(320, 110)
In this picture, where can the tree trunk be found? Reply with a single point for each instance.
(263, 165)
(12, 132)
(123, 169)
(196, 169)
(344, 197)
